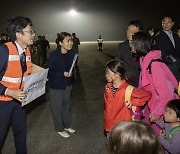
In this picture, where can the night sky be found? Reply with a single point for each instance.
(106, 17)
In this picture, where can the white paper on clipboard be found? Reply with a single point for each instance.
(34, 86)
(73, 63)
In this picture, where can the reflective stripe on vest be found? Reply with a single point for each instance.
(13, 74)
(12, 80)
(16, 58)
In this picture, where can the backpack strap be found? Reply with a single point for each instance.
(153, 60)
(172, 132)
(177, 91)
(128, 93)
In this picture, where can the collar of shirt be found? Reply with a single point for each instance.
(20, 50)
(168, 32)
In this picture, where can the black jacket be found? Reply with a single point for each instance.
(131, 64)
(163, 43)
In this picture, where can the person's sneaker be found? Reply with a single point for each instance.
(70, 130)
(64, 134)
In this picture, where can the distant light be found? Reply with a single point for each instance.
(73, 12)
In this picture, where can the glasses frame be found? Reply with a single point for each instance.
(30, 31)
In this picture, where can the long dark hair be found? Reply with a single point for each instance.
(117, 66)
(142, 43)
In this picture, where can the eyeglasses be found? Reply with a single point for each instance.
(30, 31)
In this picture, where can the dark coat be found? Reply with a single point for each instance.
(59, 63)
(131, 64)
(163, 43)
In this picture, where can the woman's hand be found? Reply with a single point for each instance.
(66, 74)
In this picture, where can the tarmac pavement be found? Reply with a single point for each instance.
(86, 109)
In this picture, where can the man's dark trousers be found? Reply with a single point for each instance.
(11, 113)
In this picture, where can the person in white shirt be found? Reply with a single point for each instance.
(100, 43)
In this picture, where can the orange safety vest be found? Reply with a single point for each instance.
(13, 75)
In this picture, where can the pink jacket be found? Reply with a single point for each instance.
(161, 83)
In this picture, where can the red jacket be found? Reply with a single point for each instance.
(115, 110)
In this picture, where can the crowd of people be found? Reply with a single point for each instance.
(152, 63)
(16, 64)
(142, 105)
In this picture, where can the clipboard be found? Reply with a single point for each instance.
(73, 63)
